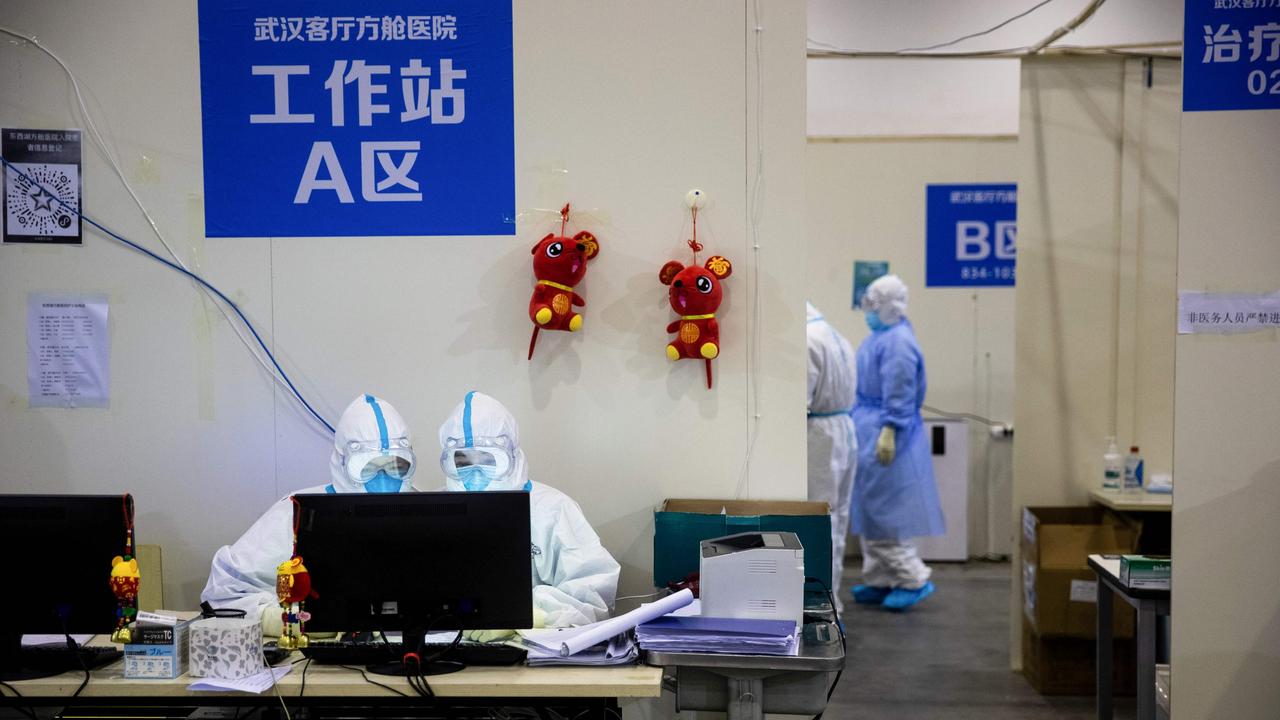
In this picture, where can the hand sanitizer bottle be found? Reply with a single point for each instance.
(1112, 466)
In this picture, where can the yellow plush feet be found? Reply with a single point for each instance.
(672, 353)
(543, 316)
(709, 350)
(575, 324)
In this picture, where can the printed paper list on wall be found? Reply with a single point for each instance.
(68, 351)
(971, 235)
(42, 189)
(1232, 56)
(337, 117)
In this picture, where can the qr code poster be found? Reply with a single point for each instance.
(41, 186)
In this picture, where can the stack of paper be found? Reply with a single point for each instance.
(602, 643)
(620, 650)
(719, 635)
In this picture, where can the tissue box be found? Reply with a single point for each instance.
(226, 648)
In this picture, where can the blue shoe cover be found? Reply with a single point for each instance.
(869, 594)
(902, 599)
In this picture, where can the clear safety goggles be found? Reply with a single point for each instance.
(363, 459)
(497, 453)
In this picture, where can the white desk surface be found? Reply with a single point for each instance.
(1133, 502)
(628, 681)
(1110, 565)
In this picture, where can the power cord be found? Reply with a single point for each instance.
(28, 712)
(372, 682)
(74, 647)
(843, 646)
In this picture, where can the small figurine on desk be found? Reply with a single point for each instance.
(125, 580)
(293, 587)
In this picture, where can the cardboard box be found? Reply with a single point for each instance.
(1059, 590)
(158, 652)
(681, 525)
(1068, 666)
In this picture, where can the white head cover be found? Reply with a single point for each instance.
(887, 297)
(477, 417)
(369, 420)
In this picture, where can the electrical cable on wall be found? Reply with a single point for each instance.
(178, 268)
(1172, 48)
(754, 212)
(96, 136)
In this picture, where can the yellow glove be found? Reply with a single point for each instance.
(488, 636)
(885, 449)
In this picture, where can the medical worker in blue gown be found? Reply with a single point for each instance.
(895, 497)
(372, 452)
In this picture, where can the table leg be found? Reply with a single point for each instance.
(746, 699)
(1146, 639)
(1104, 651)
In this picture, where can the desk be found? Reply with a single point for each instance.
(590, 688)
(1149, 604)
(747, 686)
(1133, 502)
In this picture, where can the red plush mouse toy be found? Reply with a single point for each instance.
(695, 293)
(559, 263)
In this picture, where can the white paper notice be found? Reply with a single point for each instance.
(68, 351)
(255, 684)
(1084, 591)
(1227, 313)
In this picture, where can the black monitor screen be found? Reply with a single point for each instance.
(61, 547)
(417, 561)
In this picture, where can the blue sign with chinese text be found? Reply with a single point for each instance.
(1231, 55)
(339, 117)
(971, 235)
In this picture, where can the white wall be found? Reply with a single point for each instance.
(866, 201)
(1097, 242)
(1226, 627)
(195, 429)
(949, 97)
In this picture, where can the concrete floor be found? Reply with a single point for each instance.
(946, 658)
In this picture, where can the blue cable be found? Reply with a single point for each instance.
(189, 274)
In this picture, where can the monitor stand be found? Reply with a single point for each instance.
(19, 663)
(413, 639)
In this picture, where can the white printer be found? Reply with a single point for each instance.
(756, 575)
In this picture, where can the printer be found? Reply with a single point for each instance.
(755, 575)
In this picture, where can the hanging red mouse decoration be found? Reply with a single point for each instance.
(696, 293)
(559, 264)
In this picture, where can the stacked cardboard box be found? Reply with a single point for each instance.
(1060, 597)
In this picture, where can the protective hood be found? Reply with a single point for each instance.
(886, 297)
(811, 313)
(371, 422)
(477, 421)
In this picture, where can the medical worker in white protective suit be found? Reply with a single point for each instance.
(372, 452)
(575, 579)
(895, 497)
(833, 445)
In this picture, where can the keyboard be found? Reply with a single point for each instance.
(347, 652)
(60, 657)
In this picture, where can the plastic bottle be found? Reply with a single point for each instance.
(1112, 466)
(1133, 471)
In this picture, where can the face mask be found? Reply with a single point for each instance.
(476, 477)
(873, 322)
(383, 483)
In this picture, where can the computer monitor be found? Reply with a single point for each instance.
(59, 550)
(416, 562)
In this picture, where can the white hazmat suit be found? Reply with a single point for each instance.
(575, 579)
(243, 576)
(833, 443)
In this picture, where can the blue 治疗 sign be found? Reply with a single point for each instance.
(971, 235)
(1231, 55)
(338, 117)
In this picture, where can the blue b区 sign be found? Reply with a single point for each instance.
(971, 235)
(1231, 55)
(340, 118)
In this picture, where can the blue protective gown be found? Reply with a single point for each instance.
(900, 500)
